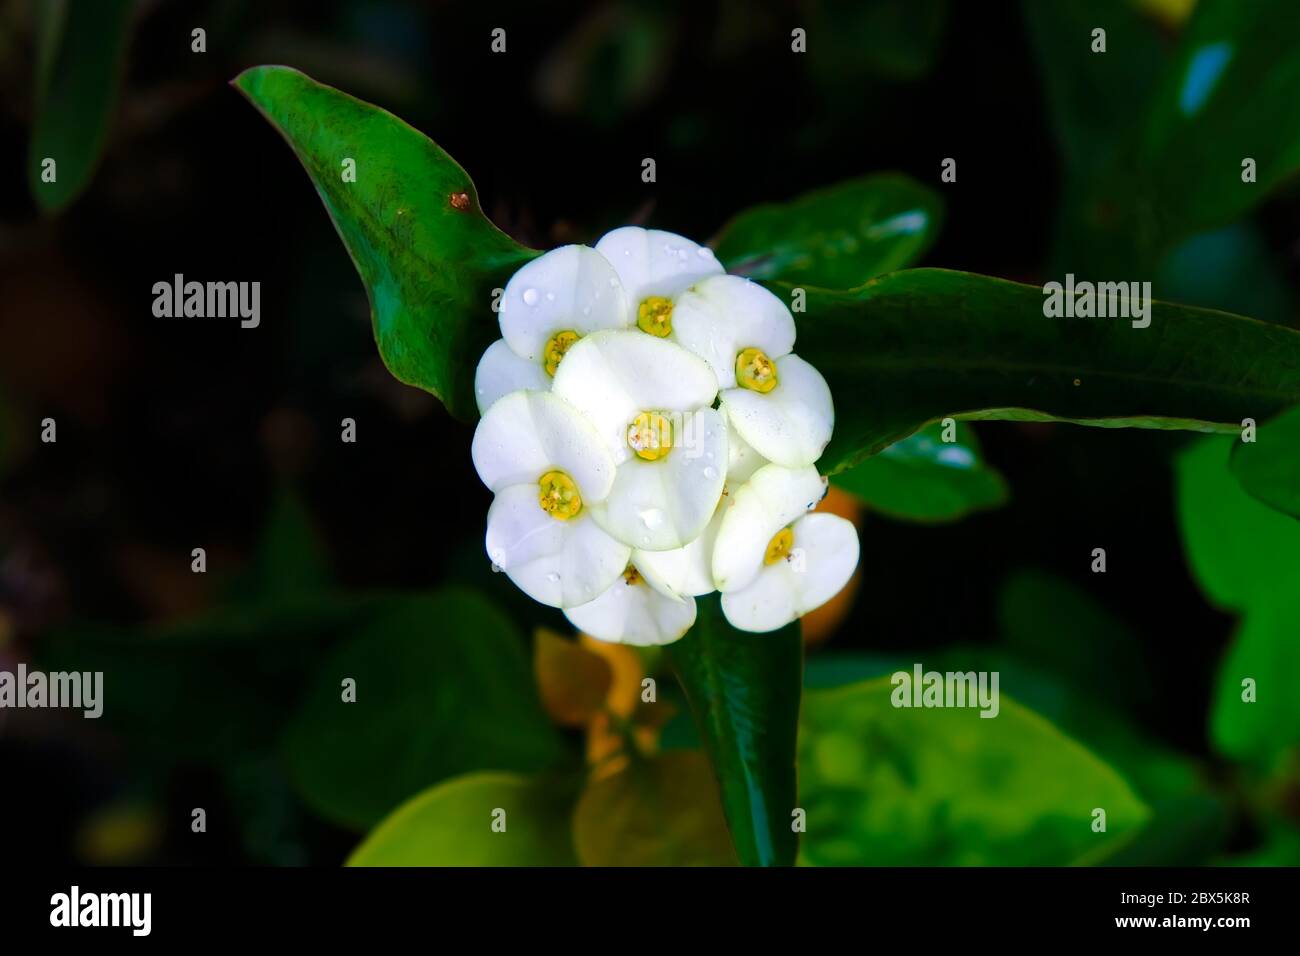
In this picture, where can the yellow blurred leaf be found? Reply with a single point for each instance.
(572, 682)
(118, 835)
(662, 811)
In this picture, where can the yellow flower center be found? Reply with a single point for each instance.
(558, 344)
(779, 547)
(655, 316)
(754, 370)
(558, 495)
(631, 575)
(650, 436)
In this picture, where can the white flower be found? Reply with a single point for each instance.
(630, 611)
(791, 422)
(548, 468)
(655, 267)
(774, 562)
(549, 304)
(777, 402)
(649, 400)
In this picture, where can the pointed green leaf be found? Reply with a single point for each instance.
(924, 478)
(912, 347)
(837, 237)
(743, 691)
(80, 47)
(411, 221)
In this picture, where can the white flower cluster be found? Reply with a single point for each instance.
(650, 436)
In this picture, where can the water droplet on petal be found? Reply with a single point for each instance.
(704, 252)
(651, 518)
(553, 578)
(550, 297)
(710, 473)
(530, 297)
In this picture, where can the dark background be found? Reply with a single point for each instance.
(175, 434)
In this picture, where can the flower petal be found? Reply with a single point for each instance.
(634, 614)
(791, 424)
(665, 504)
(770, 500)
(525, 434)
(653, 262)
(720, 317)
(685, 571)
(742, 460)
(559, 563)
(611, 377)
(572, 288)
(500, 371)
(821, 562)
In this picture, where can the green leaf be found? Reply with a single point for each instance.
(451, 825)
(428, 256)
(214, 688)
(1246, 557)
(924, 478)
(1266, 652)
(932, 786)
(1269, 467)
(443, 687)
(290, 558)
(743, 690)
(1052, 623)
(837, 237)
(895, 40)
(660, 811)
(1230, 93)
(1094, 98)
(912, 347)
(1241, 551)
(80, 47)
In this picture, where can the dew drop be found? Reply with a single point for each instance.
(530, 297)
(550, 297)
(710, 472)
(704, 252)
(651, 518)
(553, 578)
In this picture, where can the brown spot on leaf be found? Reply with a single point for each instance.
(459, 201)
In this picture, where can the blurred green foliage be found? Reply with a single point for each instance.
(887, 786)
(80, 48)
